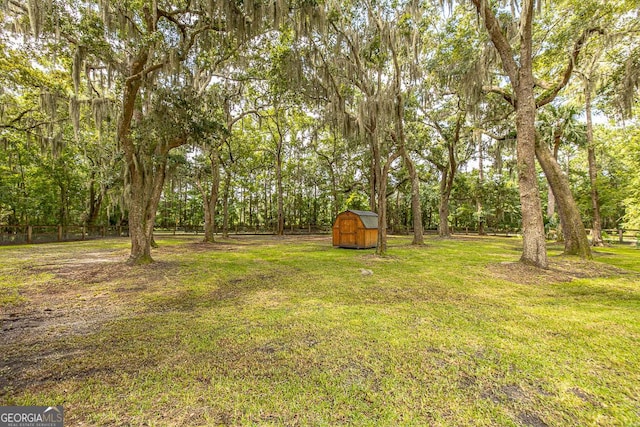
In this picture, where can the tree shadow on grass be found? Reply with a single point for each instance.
(561, 270)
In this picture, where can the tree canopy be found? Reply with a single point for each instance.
(251, 115)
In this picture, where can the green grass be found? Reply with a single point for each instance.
(266, 331)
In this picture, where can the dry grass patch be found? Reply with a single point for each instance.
(561, 270)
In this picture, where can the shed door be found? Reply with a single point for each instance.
(348, 231)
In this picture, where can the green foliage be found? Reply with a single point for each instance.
(318, 89)
(356, 201)
(627, 141)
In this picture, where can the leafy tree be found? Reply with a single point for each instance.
(518, 59)
(356, 201)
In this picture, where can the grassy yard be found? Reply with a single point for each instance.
(267, 331)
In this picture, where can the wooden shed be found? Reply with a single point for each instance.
(356, 229)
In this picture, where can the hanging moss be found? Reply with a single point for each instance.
(35, 17)
(100, 109)
(78, 62)
(109, 74)
(105, 13)
(49, 104)
(74, 114)
(57, 145)
(174, 61)
(42, 143)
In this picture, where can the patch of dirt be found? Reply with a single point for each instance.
(85, 294)
(531, 420)
(561, 270)
(513, 392)
(266, 239)
(233, 289)
(585, 397)
(490, 395)
(202, 247)
(372, 259)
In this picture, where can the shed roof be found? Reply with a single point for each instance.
(369, 219)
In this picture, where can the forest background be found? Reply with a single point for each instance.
(264, 116)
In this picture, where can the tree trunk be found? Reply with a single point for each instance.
(334, 193)
(147, 179)
(381, 248)
(551, 204)
(596, 230)
(551, 198)
(575, 236)
(211, 200)
(446, 184)
(534, 249)
(95, 202)
(375, 171)
(140, 240)
(520, 73)
(443, 210)
(63, 211)
(479, 210)
(479, 207)
(372, 182)
(225, 205)
(498, 161)
(208, 221)
(416, 208)
(416, 211)
(280, 229)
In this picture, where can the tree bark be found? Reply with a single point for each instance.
(211, 199)
(575, 236)
(376, 167)
(95, 202)
(596, 230)
(280, 226)
(381, 247)
(534, 249)
(520, 73)
(551, 200)
(225, 205)
(551, 204)
(140, 241)
(443, 211)
(448, 172)
(416, 208)
(479, 207)
(147, 181)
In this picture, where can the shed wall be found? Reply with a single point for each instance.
(350, 232)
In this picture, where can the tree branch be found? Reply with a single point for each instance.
(499, 40)
(500, 91)
(181, 57)
(494, 136)
(21, 115)
(255, 111)
(18, 5)
(550, 95)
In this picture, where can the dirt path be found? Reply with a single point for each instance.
(79, 295)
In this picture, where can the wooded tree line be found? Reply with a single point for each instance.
(263, 115)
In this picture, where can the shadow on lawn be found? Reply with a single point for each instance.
(561, 270)
(229, 292)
